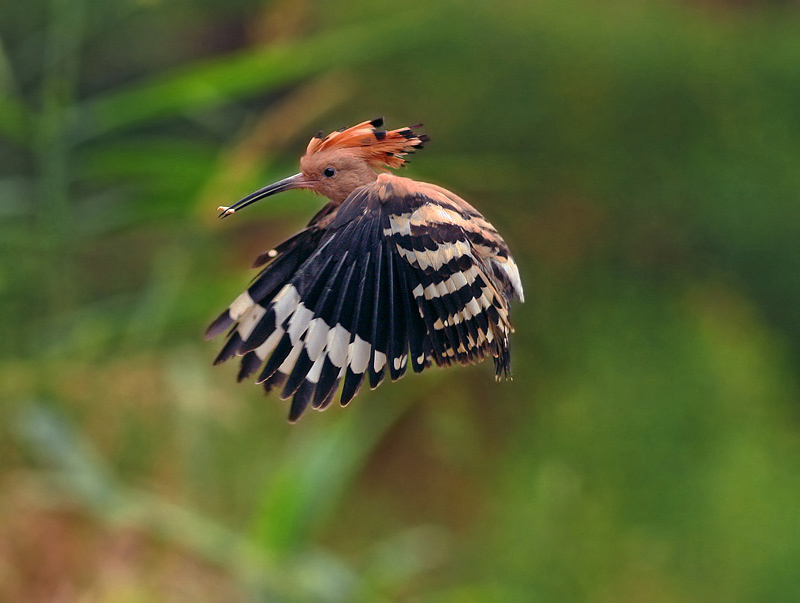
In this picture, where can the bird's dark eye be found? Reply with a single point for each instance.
(329, 172)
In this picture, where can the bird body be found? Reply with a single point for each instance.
(390, 272)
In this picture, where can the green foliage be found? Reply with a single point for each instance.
(640, 159)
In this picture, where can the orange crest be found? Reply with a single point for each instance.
(379, 148)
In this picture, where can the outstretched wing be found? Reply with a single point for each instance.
(401, 275)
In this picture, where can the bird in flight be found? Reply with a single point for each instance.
(390, 273)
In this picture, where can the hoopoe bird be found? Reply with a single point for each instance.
(390, 272)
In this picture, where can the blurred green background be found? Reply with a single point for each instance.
(641, 159)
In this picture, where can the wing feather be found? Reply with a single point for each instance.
(419, 345)
(381, 315)
(398, 343)
(353, 318)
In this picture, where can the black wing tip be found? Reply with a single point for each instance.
(351, 386)
(230, 349)
(323, 398)
(272, 382)
(249, 365)
(301, 400)
(297, 378)
(222, 323)
(396, 373)
(376, 377)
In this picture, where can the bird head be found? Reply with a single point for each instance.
(335, 165)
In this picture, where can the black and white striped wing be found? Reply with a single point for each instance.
(459, 271)
(374, 295)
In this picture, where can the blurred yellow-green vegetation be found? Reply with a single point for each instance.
(642, 159)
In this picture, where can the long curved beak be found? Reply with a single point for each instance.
(296, 181)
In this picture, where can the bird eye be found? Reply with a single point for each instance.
(329, 172)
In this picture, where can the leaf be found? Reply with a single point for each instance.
(15, 121)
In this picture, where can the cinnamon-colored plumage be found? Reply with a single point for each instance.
(390, 272)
